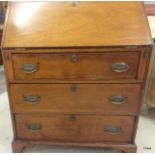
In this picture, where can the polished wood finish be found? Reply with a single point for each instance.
(60, 66)
(78, 76)
(76, 25)
(144, 54)
(61, 128)
(86, 98)
(20, 145)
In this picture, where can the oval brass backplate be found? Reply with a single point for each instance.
(35, 126)
(31, 99)
(120, 67)
(29, 68)
(112, 129)
(117, 99)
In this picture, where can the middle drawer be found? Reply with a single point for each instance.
(103, 98)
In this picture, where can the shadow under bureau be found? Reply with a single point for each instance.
(76, 72)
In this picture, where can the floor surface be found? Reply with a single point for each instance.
(145, 138)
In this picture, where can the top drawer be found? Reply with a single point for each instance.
(76, 66)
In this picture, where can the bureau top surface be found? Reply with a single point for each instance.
(75, 24)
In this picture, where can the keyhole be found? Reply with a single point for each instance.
(74, 3)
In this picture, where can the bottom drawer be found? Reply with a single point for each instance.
(75, 128)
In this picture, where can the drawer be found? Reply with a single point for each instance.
(75, 128)
(76, 66)
(104, 98)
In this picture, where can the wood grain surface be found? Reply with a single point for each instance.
(85, 128)
(84, 24)
(59, 66)
(87, 98)
(72, 49)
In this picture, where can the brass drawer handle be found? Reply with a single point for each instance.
(35, 126)
(29, 68)
(112, 129)
(73, 88)
(120, 67)
(117, 99)
(31, 99)
(74, 57)
(71, 117)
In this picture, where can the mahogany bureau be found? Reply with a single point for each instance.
(76, 72)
